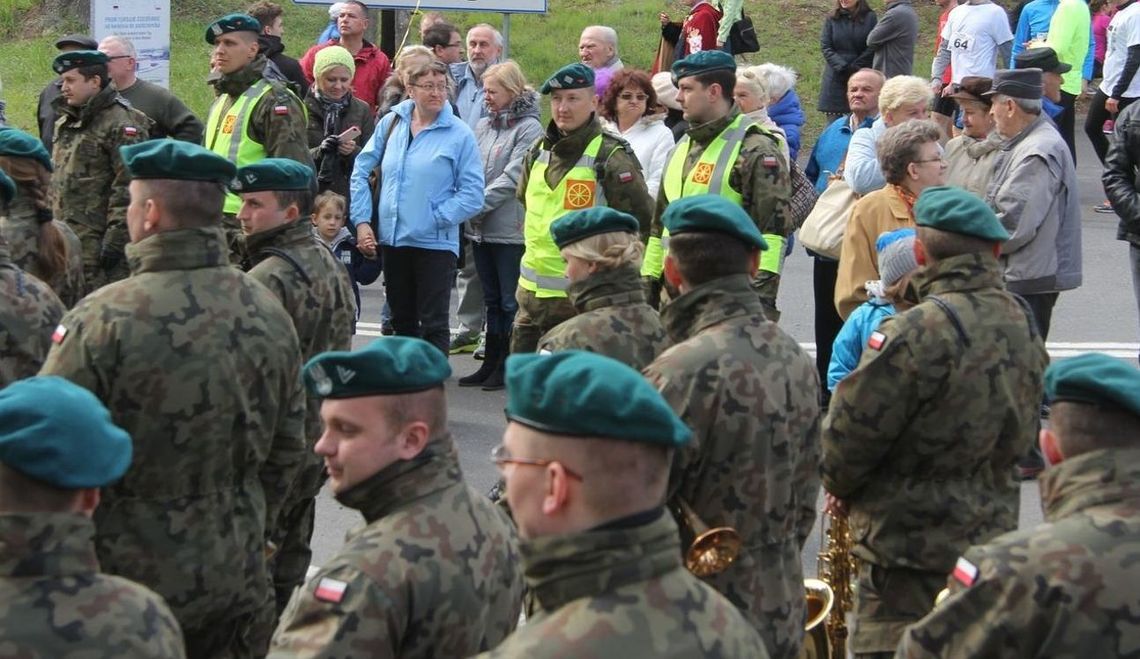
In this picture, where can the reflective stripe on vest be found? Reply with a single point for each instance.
(542, 270)
(222, 127)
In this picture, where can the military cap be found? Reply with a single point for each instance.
(16, 143)
(77, 58)
(1042, 57)
(60, 433)
(232, 23)
(7, 187)
(273, 174)
(1017, 83)
(1094, 378)
(952, 209)
(702, 62)
(571, 76)
(177, 160)
(581, 224)
(79, 41)
(974, 88)
(712, 213)
(386, 367)
(585, 394)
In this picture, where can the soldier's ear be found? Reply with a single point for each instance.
(919, 252)
(672, 272)
(753, 263)
(150, 215)
(87, 501)
(413, 439)
(557, 489)
(1050, 447)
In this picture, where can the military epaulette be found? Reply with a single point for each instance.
(124, 102)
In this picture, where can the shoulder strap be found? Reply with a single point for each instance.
(276, 251)
(955, 319)
(1030, 319)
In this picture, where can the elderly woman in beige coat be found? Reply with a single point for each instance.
(970, 156)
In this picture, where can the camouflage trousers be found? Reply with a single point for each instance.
(767, 286)
(229, 640)
(91, 247)
(537, 316)
(887, 600)
(294, 555)
(235, 240)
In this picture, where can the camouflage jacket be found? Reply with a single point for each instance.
(751, 396)
(29, 313)
(621, 591)
(433, 574)
(200, 364)
(621, 182)
(613, 319)
(56, 604)
(921, 439)
(21, 228)
(89, 184)
(281, 133)
(1066, 588)
(313, 287)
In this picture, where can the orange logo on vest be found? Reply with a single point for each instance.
(703, 173)
(228, 124)
(579, 194)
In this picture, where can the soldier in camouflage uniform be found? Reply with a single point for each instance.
(1066, 588)
(314, 288)
(575, 165)
(252, 117)
(921, 439)
(728, 154)
(601, 555)
(432, 574)
(29, 312)
(200, 363)
(58, 446)
(44, 247)
(751, 396)
(89, 188)
(603, 257)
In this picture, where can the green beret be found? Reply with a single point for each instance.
(579, 225)
(177, 160)
(59, 433)
(16, 143)
(1094, 378)
(703, 62)
(388, 366)
(273, 174)
(952, 209)
(7, 187)
(232, 23)
(571, 76)
(712, 213)
(589, 395)
(77, 58)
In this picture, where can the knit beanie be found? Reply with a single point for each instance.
(896, 259)
(331, 56)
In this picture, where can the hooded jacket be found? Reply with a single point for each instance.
(789, 116)
(504, 139)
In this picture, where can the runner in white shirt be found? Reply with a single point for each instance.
(1123, 33)
(974, 34)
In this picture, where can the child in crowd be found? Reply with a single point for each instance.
(328, 227)
(896, 265)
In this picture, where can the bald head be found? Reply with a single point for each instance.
(598, 46)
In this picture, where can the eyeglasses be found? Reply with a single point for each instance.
(501, 456)
(441, 89)
(938, 159)
(457, 44)
(633, 97)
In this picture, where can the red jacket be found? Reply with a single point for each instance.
(698, 32)
(372, 70)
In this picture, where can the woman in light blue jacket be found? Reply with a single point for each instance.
(431, 182)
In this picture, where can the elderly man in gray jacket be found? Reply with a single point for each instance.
(1034, 193)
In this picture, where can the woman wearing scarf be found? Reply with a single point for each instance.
(332, 111)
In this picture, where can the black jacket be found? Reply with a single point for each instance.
(844, 45)
(1120, 172)
(274, 51)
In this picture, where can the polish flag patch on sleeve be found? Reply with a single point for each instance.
(58, 335)
(965, 572)
(625, 177)
(130, 131)
(770, 162)
(330, 590)
(877, 341)
(280, 109)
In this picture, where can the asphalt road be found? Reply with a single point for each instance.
(1101, 315)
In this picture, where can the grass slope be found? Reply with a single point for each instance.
(788, 31)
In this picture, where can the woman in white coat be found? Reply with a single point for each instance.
(627, 109)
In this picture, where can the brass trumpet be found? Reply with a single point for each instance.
(710, 551)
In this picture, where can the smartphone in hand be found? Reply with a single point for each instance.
(352, 133)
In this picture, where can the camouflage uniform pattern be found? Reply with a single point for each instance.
(622, 592)
(55, 603)
(433, 574)
(751, 396)
(201, 365)
(89, 184)
(1066, 588)
(921, 439)
(613, 319)
(29, 313)
(766, 191)
(314, 289)
(21, 228)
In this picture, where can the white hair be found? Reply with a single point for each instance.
(780, 79)
(122, 42)
(1031, 106)
(335, 9)
(498, 38)
(608, 34)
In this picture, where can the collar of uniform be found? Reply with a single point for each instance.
(966, 272)
(83, 114)
(1091, 479)
(237, 82)
(43, 544)
(607, 288)
(181, 249)
(402, 483)
(572, 144)
(560, 569)
(708, 131)
(708, 304)
(287, 235)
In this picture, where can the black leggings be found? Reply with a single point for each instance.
(1094, 122)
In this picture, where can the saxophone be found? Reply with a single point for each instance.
(837, 569)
